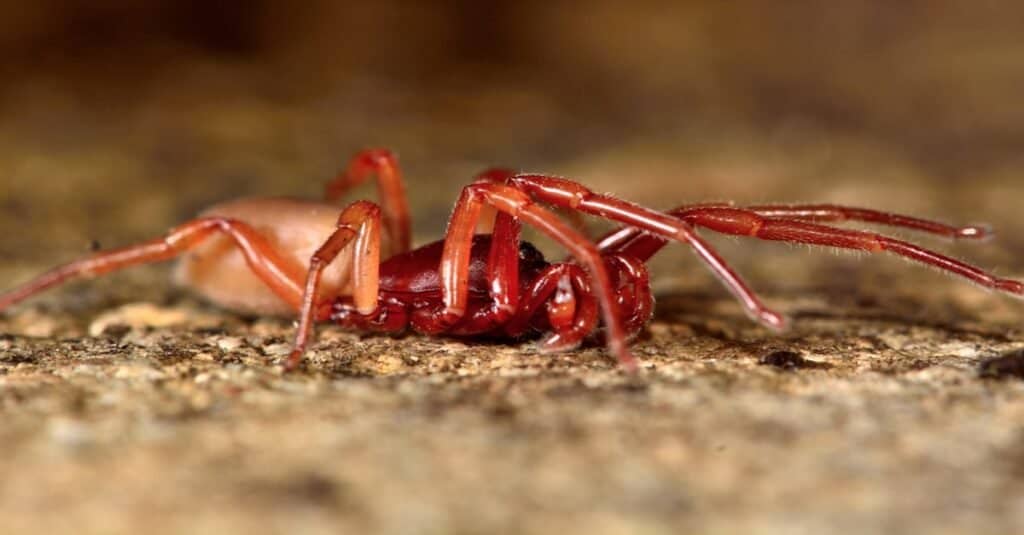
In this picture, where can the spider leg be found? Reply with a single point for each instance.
(454, 269)
(743, 222)
(383, 164)
(569, 194)
(489, 214)
(634, 292)
(360, 221)
(571, 306)
(503, 267)
(562, 288)
(503, 175)
(812, 213)
(281, 276)
(503, 284)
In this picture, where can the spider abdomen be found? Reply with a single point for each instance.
(217, 270)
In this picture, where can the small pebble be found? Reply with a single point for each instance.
(134, 371)
(204, 356)
(229, 343)
(277, 350)
(137, 315)
(1005, 366)
(789, 361)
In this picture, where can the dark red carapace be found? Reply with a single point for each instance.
(324, 262)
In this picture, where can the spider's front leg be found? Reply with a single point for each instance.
(503, 286)
(561, 292)
(571, 195)
(454, 268)
(572, 309)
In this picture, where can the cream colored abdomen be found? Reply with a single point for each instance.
(294, 228)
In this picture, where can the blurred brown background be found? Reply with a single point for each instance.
(938, 76)
(207, 100)
(120, 118)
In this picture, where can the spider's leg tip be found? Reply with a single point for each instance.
(629, 363)
(293, 360)
(773, 320)
(975, 232)
(626, 359)
(1010, 286)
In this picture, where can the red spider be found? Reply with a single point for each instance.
(324, 262)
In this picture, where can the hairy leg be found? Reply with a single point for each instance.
(741, 222)
(814, 213)
(502, 175)
(646, 246)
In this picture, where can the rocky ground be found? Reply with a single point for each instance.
(128, 404)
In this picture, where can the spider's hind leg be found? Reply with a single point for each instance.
(280, 275)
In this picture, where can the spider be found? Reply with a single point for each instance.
(284, 256)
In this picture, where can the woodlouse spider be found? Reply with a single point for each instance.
(286, 256)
